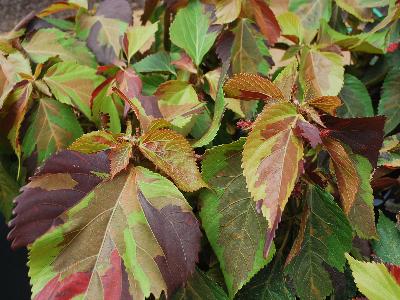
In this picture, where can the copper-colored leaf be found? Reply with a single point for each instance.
(328, 104)
(266, 20)
(252, 87)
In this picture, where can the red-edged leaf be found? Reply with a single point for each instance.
(172, 153)
(247, 86)
(363, 135)
(266, 20)
(63, 180)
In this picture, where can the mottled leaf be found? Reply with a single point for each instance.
(325, 236)
(387, 247)
(323, 71)
(311, 12)
(353, 174)
(291, 26)
(172, 153)
(178, 102)
(246, 48)
(374, 280)
(229, 216)
(53, 126)
(286, 79)
(190, 31)
(309, 132)
(356, 99)
(94, 141)
(357, 9)
(272, 162)
(63, 180)
(52, 42)
(389, 105)
(124, 240)
(247, 86)
(73, 84)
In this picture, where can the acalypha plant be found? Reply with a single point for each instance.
(216, 149)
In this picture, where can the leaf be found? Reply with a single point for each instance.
(104, 104)
(353, 174)
(356, 99)
(326, 237)
(373, 280)
(311, 12)
(10, 68)
(146, 241)
(247, 86)
(94, 141)
(291, 26)
(53, 126)
(190, 31)
(200, 287)
(323, 71)
(389, 105)
(389, 241)
(158, 62)
(16, 107)
(172, 153)
(246, 53)
(309, 132)
(363, 135)
(9, 189)
(328, 104)
(61, 182)
(178, 102)
(389, 155)
(139, 35)
(52, 42)
(219, 109)
(266, 20)
(357, 9)
(368, 42)
(229, 216)
(73, 84)
(272, 162)
(227, 11)
(268, 284)
(107, 28)
(286, 79)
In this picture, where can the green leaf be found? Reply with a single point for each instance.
(272, 161)
(268, 284)
(374, 280)
(357, 9)
(229, 216)
(138, 36)
(73, 84)
(388, 245)
(389, 105)
(172, 153)
(105, 103)
(290, 24)
(219, 109)
(190, 31)
(325, 236)
(124, 239)
(53, 42)
(356, 99)
(53, 127)
(9, 189)
(94, 141)
(158, 62)
(200, 287)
